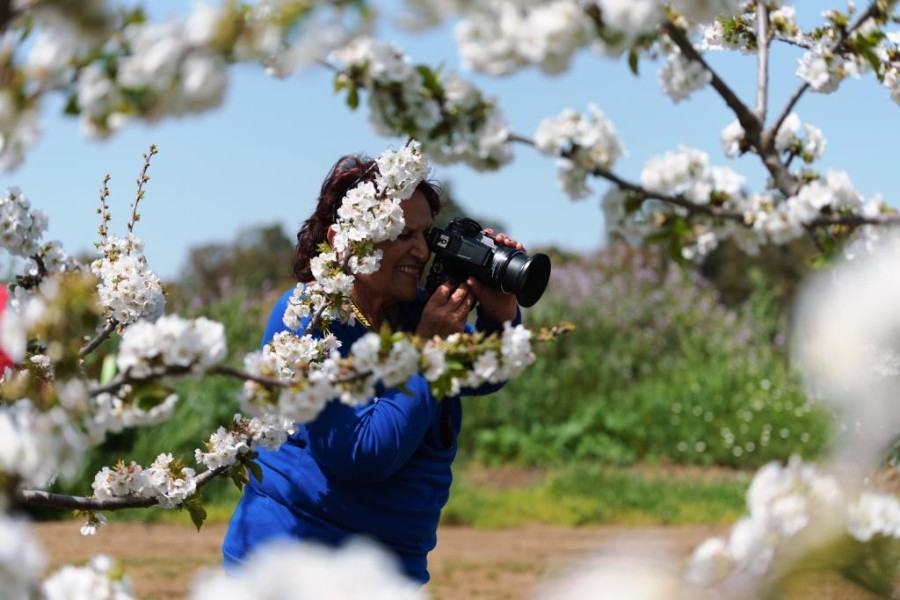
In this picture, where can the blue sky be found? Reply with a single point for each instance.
(261, 157)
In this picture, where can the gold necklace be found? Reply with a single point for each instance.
(357, 311)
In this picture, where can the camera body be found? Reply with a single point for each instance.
(463, 249)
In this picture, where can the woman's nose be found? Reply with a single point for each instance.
(420, 248)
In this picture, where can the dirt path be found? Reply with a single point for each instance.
(467, 564)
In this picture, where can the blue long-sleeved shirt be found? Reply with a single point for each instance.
(382, 470)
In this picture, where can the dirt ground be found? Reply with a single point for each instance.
(162, 559)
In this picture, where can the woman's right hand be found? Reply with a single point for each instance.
(446, 311)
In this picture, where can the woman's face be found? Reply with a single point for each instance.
(402, 261)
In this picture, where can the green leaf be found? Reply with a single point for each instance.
(108, 369)
(198, 514)
(72, 107)
(149, 395)
(353, 98)
(430, 78)
(633, 59)
(255, 470)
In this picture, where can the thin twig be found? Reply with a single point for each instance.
(103, 211)
(141, 180)
(762, 53)
(706, 209)
(104, 333)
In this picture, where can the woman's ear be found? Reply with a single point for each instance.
(329, 235)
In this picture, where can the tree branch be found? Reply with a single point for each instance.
(717, 211)
(751, 124)
(104, 333)
(42, 498)
(762, 53)
(170, 371)
(749, 121)
(7, 14)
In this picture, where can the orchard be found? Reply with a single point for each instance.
(90, 348)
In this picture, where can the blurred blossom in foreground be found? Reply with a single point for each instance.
(802, 519)
(289, 571)
(621, 571)
(848, 348)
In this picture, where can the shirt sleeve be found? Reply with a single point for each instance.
(369, 443)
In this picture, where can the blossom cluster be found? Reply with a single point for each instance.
(792, 139)
(454, 120)
(128, 289)
(313, 571)
(499, 37)
(22, 560)
(583, 143)
(171, 483)
(166, 480)
(171, 342)
(36, 446)
(829, 59)
(114, 67)
(21, 233)
(791, 507)
(313, 371)
(226, 446)
(99, 578)
(113, 412)
(21, 228)
(766, 217)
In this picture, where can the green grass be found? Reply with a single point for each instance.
(593, 494)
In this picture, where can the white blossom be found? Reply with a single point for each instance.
(22, 559)
(681, 76)
(128, 288)
(585, 143)
(172, 341)
(313, 571)
(98, 579)
(37, 446)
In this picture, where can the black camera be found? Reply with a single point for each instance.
(463, 249)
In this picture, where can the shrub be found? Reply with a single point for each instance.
(656, 370)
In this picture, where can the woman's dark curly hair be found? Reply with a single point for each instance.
(346, 173)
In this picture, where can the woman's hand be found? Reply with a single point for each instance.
(446, 311)
(496, 304)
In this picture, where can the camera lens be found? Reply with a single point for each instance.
(523, 275)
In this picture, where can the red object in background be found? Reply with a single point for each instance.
(4, 359)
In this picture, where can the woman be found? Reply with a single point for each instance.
(382, 470)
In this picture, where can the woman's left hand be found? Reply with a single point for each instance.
(496, 304)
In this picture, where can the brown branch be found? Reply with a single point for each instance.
(716, 211)
(7, 14)
(176, 371)
(42, 498)
(104, 333)
(751, 124)
(762, 53)
(748, 119)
